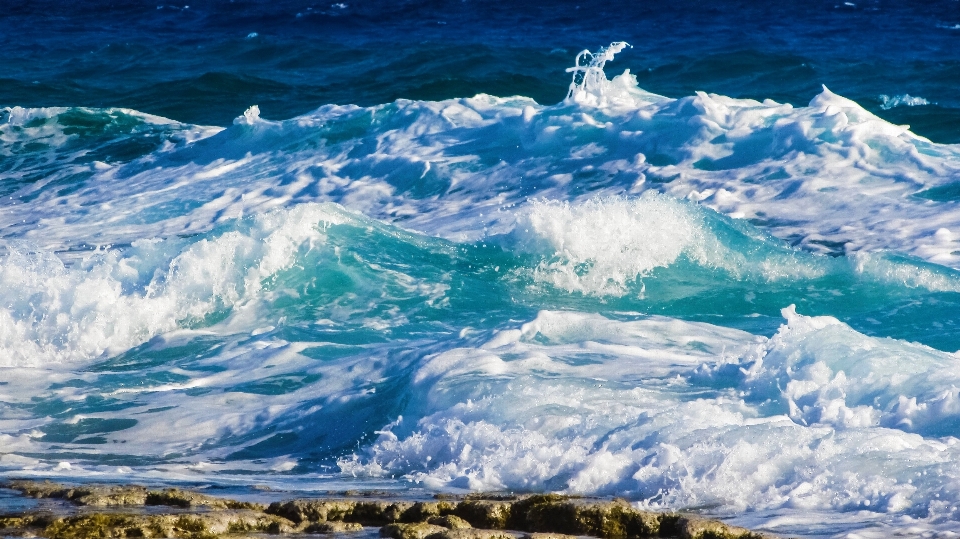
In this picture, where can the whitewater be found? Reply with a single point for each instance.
(739, 307)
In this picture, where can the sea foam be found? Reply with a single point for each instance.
(830, 177)
(112, 301)
(587, 405)
(601, 245)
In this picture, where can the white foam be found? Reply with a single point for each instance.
(115, 300)
(903, 272)
(591, 88)
(901, 100)
(827, 373)
(829, 177)
(583, 404)
(607, 246)
(603, 245)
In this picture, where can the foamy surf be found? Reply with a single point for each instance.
(830, 177)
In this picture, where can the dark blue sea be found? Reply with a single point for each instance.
(704, 256)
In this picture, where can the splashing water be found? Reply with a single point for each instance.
(590, 85)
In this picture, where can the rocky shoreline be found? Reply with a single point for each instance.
(131, 511)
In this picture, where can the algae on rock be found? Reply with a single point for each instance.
(422, 511)
(452, 522)
(412, 530)
(334, 526)
(312, 510)
(93, 495)
(607, 519)
(183, 526)
(474, 533)
(184, 498)
(486, 514)
(539, 516)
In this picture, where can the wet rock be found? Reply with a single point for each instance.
(497, 497)
(92, 495)
(334, 526)
(378, 513)
(421, 511)
(98, 525)
(185, 498)
(614, 519)
(312, 510)
(473, 533)
(452, 522)
(35, 489)
(199, 526)
(367, 494)
(245, 521)
(15, 522)
(485, 514)
(544, 516)
(125, 495)
(366, 512)
(411, 530)
(24, 524)
(689, 527)
(547, 535)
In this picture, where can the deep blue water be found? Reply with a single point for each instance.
(195, 62)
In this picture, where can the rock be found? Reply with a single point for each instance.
(97, 525)
(421, 511)
(473, 533)
(199, 526)
(485, 514)
(92, 495)
(691, 527)
(452, 522)
(185, 498)
(106, 497)
(614, 519)
(542, 516)
(368, 513)
(334, 527)
(539, 535)
(120, 495)
(414, 530)
(312, 510)
(379, 512)
(16, 522)
(244, 521)
(35, 489)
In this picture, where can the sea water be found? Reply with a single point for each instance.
(320, 247)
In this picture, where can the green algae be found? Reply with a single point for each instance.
(185, 498)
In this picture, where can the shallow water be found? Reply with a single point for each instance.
(245, 246)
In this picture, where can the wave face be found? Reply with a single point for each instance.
(742, 307)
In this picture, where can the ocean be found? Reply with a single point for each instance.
(704, 256)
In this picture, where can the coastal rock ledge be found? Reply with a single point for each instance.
(131, 511)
